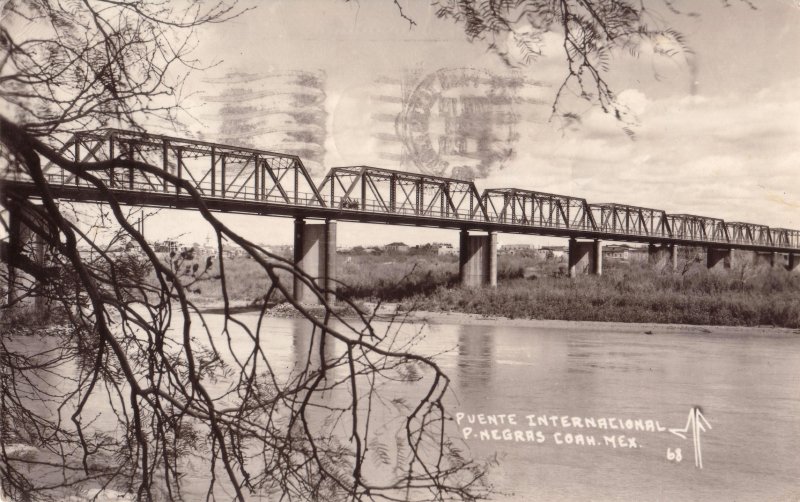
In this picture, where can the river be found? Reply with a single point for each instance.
(618, 389)
(744, 383)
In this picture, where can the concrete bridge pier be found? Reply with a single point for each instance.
(22, 241)
(585, 257)
(718, 258)
(794, 262)
(477, 259)
(665, 255)
(760, 258)
(315, 254)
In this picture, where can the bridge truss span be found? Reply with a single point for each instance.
(689, 227)
(631, 220)
(372, 189)
(214, 170)
(748, 233)
(785, 238)
(538, 209)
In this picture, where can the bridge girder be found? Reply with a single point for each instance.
(538, 209)
(214, 170)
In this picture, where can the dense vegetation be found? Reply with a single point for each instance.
(530, 287)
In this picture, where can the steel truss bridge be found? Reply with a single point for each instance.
(244, 180)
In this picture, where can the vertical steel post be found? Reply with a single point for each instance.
(363, 190)
(222, 175)
(392, 192)
(420, 198)
(296, 181)
(164, 162)
(77, 159)
(130, 169)
(263, 190)
(179, 166)
(213, 171)
(256, 162)
(513, 207)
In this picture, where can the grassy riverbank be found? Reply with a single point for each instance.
(746, 295)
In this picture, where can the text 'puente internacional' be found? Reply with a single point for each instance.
(244, 180)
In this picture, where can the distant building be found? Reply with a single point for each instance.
(551, 252)
(616, 252)
(397, 247)
(167, 246)
(446, 250)
(624, 252)
(516, 248)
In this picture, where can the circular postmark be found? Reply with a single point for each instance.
(460, 122)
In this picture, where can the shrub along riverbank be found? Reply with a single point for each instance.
(745, 295)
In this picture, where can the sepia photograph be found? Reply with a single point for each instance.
(399, 250)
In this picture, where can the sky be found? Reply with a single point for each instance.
(716, 131)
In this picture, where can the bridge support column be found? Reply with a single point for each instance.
(794, 262)
(585, 257)
(21, 241)
(718, 258)
(315, 254)
(769, 258)
(665, 255)
(478, 259)
(673, 256)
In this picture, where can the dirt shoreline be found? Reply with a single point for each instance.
(480, 320)
(387, 311)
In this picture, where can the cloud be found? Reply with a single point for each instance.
(732, 156)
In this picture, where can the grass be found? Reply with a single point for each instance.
(637, 293)
(529, 287)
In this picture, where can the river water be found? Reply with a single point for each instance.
(744, 384)
(619, 388)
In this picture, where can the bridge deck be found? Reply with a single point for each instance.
(260, 182)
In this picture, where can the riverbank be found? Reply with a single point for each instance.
(532, 288)
(391, 312)
(456, 318)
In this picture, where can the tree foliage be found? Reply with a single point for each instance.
(81, 64)
(134, 389)
(587, 31)
(360, 416)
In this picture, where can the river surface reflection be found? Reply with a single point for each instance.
(744, 383)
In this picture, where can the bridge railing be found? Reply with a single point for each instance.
(236, 192)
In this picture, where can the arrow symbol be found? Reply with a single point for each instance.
(697, 423)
